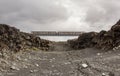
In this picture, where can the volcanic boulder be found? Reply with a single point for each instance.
(83, 41)
(15, 40)
(104, 40)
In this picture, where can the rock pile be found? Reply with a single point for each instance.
(13, 39)
(104, 40)
(83, 41)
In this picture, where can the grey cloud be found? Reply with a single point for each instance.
(100, 14)
(9, 6)
(50, 15)
(40, 11)
(110, 10)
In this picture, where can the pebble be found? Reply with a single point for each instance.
(0, 54)
(50, 61)
(24, 66)
(103, 74)
(14, 68)
(67, 63)
(31, 71)
(53, 58)
(107, 74)
(19, 58)
(36, 65)
(119, 46)
(26, 59)
(113, 49)
(53, 65)
(98, 54)
(84, 65)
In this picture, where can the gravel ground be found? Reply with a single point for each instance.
(86, 62)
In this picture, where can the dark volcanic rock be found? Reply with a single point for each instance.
(11, 38)
(104, 40)
(83, 41)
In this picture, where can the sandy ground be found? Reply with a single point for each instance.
(61, 61)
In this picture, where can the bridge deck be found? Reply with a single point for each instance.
(55, 33)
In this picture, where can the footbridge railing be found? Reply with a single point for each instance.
(56, 33)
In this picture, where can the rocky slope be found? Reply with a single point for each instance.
(104, 40)
(13, 39)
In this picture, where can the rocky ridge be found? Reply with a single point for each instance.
(13, 39)
(104, 40)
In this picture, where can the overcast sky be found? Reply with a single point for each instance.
(60, 15)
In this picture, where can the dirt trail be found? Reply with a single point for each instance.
(59, 46)
(61, 61)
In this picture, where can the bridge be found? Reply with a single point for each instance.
(56, 33)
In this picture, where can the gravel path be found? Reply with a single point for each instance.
(87, 62)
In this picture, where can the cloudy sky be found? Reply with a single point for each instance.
(60, 15)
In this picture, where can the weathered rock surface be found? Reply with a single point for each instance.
(83, 41)
(13, 39)
(104, 40)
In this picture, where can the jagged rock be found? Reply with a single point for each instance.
(15, 40)
(83, 41)
(104, 40)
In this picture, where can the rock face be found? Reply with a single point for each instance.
(104, 40)
(83, 41)
(15, 40)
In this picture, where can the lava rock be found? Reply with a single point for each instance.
(105, 40)
(15, 40)
(83, 41)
